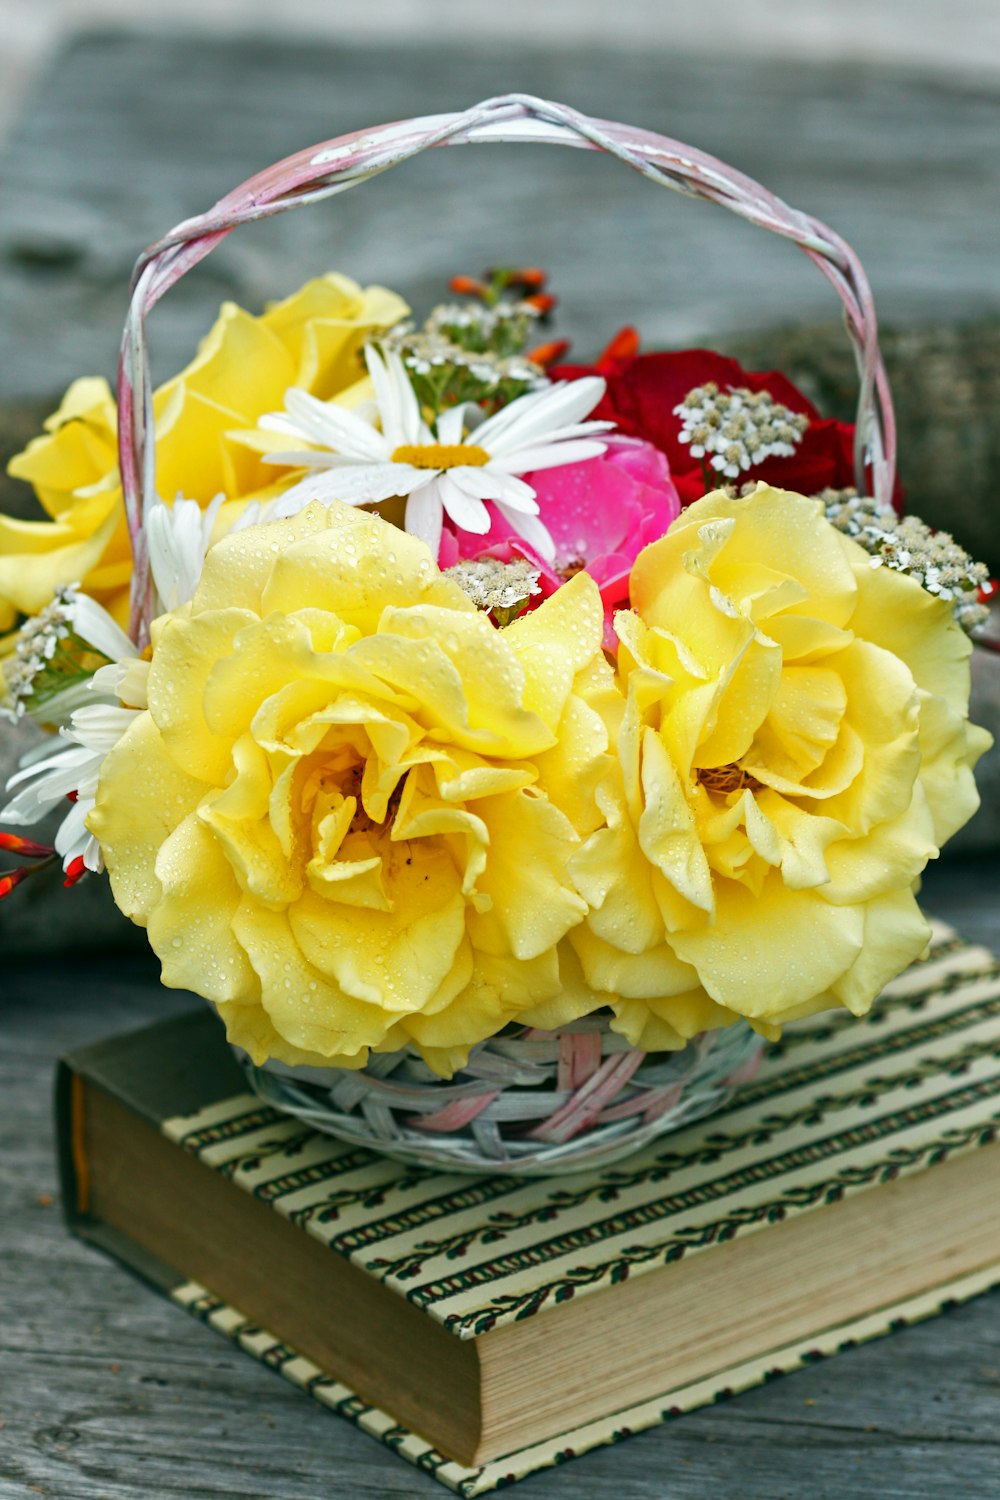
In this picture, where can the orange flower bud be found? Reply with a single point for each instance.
(466, 286)
(547, 354)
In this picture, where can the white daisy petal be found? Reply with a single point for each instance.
(365, 485)
(546, 456)
(72, 836)
(95, 626)
(484, 484)
(329, 426)
(450, 424)
(60, 708)
(539, 412)
(395, 398)
(40, 752)
(93, 857)
(100, 726)
(307, 458)
(577, 430)
(411, 424)
(480, 483)
(380, 375)
(516, 492)
(56, 777)
(424, 516)
(122, 682)
(467, 512)
(178, 536)
(361, 484)
(48, 776)
(534, 532)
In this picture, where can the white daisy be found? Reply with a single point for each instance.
(451, 468)
(49, 775)
(95, 708)
(178, 537)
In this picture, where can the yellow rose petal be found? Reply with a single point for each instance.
(323, 326)
(239, 819)
(194, 937)
(37, 557)
(142, 795)
(896, 934)
(396, 959)
(554, 642)
(772, 950)
(304, 1004)
(949, 747)
(186, 652)
(347, 566)
(654, 973)
(251, 1028)
(667, 833)
(534, 902)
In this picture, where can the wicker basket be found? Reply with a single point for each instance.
(528, 1101)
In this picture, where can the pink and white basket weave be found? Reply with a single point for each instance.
(528, 1102)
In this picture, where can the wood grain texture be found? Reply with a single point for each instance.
(128, 134)
(106, 1391)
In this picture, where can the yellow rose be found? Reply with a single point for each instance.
(347, 816)
(242, 369)
(793, 748)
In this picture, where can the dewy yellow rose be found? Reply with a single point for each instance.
(203, 416)
(792, 749)
(348, 813)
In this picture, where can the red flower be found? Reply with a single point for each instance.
(643, 389)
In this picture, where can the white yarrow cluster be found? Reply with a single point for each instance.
(907, 545)
(476, 317)
(89, 728)
(496, 587)
(423, 353)
(37, 643)
(737, 429)
(55, 655)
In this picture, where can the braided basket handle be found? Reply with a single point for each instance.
(324, 170)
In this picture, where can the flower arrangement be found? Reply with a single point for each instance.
(472, 693)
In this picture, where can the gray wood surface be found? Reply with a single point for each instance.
(106, 1391)
(127, 134)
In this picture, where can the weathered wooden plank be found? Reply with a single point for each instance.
(129, 134)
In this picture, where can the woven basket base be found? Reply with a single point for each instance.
(527, 1103)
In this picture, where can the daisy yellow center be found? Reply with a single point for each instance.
(440, 455)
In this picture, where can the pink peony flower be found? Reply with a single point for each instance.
(600, 513)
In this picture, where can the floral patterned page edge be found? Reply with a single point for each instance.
(502, 1472)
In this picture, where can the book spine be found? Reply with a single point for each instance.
(74, 1186)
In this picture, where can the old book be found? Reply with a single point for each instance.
(485, 1328)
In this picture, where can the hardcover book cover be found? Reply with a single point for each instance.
(839, 1108)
